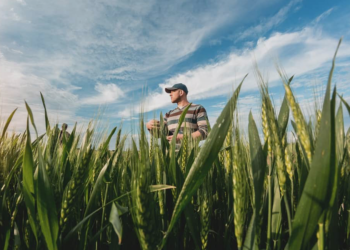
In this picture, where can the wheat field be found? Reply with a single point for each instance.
(234, 192)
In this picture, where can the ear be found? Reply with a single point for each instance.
(181, 92)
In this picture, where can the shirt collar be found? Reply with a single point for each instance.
(182, 107)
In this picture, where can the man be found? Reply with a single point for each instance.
(195, 120)
(63, 132)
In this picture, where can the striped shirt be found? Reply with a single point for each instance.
(195, 120)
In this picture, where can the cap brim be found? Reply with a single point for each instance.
(168, 90)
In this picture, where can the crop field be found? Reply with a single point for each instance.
(233, 192)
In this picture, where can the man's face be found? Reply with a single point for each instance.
(175, 95)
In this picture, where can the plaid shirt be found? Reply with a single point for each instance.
(195, 120)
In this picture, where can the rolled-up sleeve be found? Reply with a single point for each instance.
(202, 121)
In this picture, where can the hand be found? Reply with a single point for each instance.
(153, 124)
(178, 137)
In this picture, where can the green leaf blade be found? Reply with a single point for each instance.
(97, 187)
(116, 222)
(46, 207)
(28, 182)
(31, 116)
(9, 119)
(47, 123)
(258, 164)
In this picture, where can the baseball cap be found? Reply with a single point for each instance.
(177, 86)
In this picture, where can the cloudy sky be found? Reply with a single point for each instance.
(87, 56)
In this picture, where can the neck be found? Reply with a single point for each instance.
(182, 103)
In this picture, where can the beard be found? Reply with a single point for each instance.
(176, 100)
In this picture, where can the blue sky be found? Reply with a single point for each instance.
(88, 55)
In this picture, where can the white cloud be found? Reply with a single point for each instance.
(58, 47)
(266, 25)
(107, 93)
(219, 105)
(11, 50)
(17, 87)
(323, 16)
(22, 2)
(300, 53)
(116, 40)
